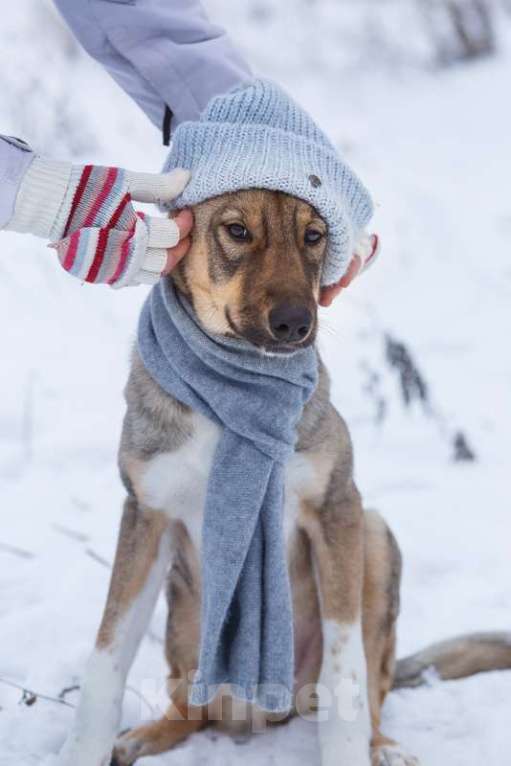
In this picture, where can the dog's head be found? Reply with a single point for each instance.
(253, 270)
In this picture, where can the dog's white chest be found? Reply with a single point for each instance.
(176, 482)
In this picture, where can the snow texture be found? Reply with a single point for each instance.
(435, 148)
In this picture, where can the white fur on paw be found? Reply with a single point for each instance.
(393, 755)
(126, 750)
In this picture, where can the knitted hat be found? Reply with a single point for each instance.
(256, 136)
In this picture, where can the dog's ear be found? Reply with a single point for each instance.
(365, 254)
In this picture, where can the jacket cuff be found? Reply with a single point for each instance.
(39, 203)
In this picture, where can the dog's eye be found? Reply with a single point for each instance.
(313, 236)
(238, 232)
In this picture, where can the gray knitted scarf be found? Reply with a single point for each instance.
(257, 400)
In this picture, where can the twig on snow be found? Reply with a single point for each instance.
(30, 697)
(72, 533)
(16, 551)
(67, 690)
(98, 558)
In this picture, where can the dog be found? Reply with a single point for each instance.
(253, 272)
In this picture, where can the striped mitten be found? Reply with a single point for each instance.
(88, 213)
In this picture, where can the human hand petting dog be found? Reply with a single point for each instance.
(100, 238)
(88, 214)
(366, 252)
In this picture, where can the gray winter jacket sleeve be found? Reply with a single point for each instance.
(165, 53)
(15, 157)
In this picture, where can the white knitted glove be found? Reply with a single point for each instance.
(88, 214)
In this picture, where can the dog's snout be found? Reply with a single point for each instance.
(289, 323)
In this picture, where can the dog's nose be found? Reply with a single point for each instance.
(289, 323)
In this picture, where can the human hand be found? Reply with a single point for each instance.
(98, 235)
(366, 252)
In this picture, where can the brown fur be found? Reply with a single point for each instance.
(233, 285)
(344, 564)
(456, 658)
(139, 540)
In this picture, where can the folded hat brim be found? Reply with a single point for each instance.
(225, 157)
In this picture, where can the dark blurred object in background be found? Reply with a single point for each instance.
(460, 29)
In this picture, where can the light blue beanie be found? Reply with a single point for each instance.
(256, 136)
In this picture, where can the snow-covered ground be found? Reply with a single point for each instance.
(436, 152)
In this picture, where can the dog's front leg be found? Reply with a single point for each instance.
(141, 562)
(337, 534)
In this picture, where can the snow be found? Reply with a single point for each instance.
(435, 149)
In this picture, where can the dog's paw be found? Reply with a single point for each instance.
(392, 755)
(127, 749)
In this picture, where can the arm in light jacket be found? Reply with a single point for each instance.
(165, 54)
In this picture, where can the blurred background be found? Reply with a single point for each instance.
(416, 94)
